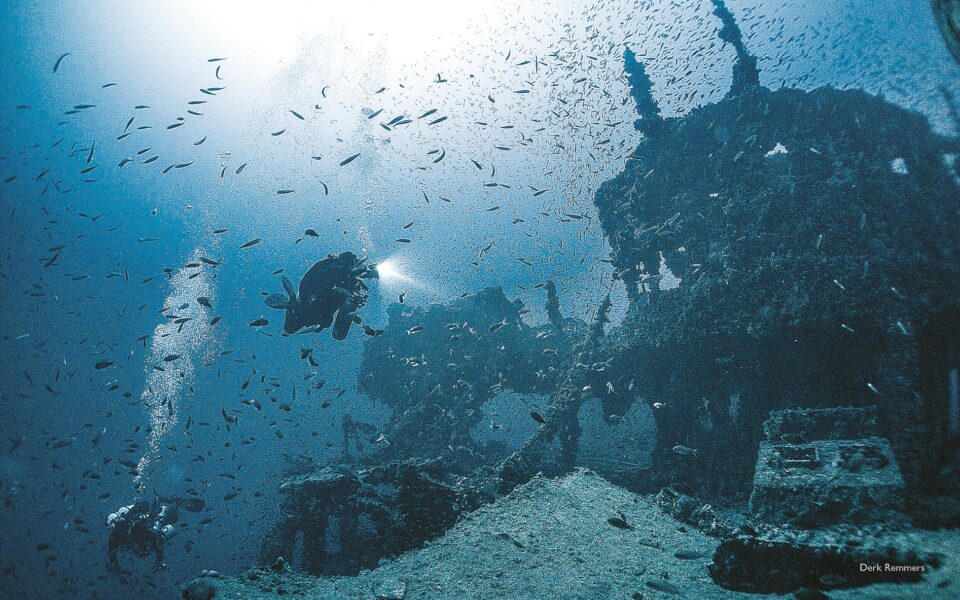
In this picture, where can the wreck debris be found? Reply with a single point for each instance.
(811, 474)
(560, 421)
(553, 306)
(758, 204)
(641, 90)
(816, 562)
(349, 520)
(465, 353)
(745, 72)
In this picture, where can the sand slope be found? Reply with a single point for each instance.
(549, 539)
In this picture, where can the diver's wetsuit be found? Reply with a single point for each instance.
(331, 286)
(141, 529)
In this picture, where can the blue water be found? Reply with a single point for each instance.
(114, 230)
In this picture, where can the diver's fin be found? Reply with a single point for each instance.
(288, 286)
(277, 301)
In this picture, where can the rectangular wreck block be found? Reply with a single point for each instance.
(797, 425)
(827, 481)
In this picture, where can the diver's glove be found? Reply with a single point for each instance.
(363, 271)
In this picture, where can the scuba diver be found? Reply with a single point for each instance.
(332, 285)
(141, 528)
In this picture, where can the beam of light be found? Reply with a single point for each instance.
(397, 276)
(195, 342)
(388, 271)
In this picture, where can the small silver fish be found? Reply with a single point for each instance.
(685, 450)
(663, 586)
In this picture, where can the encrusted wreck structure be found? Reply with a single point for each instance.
(819, 467)
(827, 498)
(814, 234)
(437, 366)
(347, 520)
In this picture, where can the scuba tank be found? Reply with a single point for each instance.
(344, 320)
(347, 314)
(167, 532)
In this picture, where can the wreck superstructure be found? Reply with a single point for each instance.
(815, 237)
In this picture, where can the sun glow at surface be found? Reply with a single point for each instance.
(275, 32)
